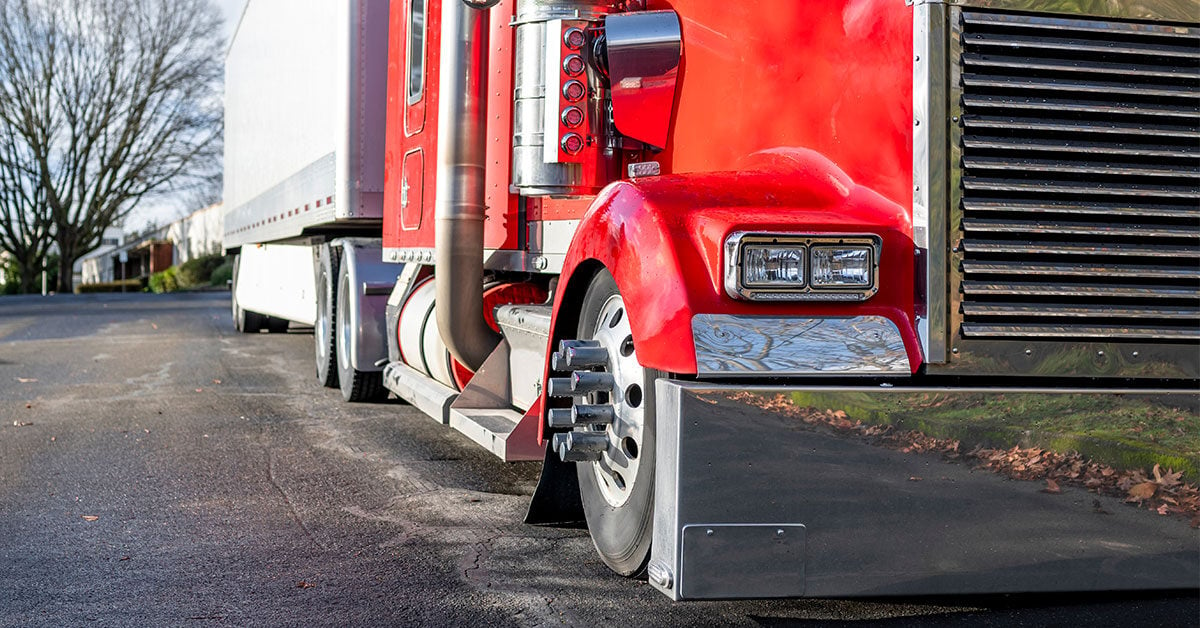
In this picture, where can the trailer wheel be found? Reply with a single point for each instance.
(356, 385)
(617, 490)
(323, 336)
(244, 321)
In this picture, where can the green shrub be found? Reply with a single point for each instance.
(130, 285)
(198, 271)
(164, 281)
(222, 274)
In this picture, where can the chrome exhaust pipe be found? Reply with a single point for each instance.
(461, 163)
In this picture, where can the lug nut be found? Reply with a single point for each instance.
(584, 357)
(559, 387)
(586, 382)
(560, 418)
(592, 415)
(563, 345)
(580, 446)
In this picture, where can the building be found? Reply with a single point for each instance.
(196, 235)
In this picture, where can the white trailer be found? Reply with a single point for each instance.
(305, 88)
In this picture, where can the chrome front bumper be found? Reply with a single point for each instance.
(804, 496)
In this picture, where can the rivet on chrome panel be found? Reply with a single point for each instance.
(1100, 353)
(954, 350)
(1029, 352)
(708, 532)
(1136, 354)
(779, 532)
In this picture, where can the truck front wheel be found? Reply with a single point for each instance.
(617, 489)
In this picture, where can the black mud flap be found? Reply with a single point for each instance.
(555, 501)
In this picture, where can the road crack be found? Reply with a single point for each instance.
(270, 455)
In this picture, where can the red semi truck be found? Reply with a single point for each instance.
(700, 257)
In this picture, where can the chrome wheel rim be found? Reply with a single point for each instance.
(617, 469)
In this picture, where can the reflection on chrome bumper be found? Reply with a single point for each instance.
(755, 345)
(800, 496)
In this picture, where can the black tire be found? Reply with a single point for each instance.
(244, 321)
(323, 330)
(621, 533)
(356, 385)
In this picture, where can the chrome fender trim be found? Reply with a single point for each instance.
(755, 345)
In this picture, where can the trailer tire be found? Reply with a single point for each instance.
(620, 510)
(356, 385)
(323, 331)
(244, 321)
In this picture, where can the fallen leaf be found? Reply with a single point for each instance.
(26, 380)
(199, 390)
(1143, 491)
(124, 558)
(90, 517)
(216, 381)
(913, 478)
(21, 424)
(154, 325)
(1051, 487)
(304, 585)
(28, 406)
(1164, 509)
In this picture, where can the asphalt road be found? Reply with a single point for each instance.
(159, 469)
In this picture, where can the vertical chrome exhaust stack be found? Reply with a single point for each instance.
(459, 209)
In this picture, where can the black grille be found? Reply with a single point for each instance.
(1080, 179)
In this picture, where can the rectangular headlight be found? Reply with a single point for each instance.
(801, 267)
(768, 265)
(841, 266)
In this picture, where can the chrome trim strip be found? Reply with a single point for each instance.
(930, 158)
(1161, 10)
(733, 346)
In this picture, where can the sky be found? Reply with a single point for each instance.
(169, 210)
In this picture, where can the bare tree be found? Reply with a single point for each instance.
(127, 105)
(25, 220)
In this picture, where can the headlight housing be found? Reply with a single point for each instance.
(801, 267)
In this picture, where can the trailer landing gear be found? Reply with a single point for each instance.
(612, 428)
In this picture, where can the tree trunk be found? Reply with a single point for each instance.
(31, 280)
(66, 259)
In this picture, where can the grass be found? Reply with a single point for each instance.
(1123, 431)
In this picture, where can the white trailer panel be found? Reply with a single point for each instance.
(278, 280)
(305, 100)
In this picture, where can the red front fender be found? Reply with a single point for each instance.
(662, 239)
